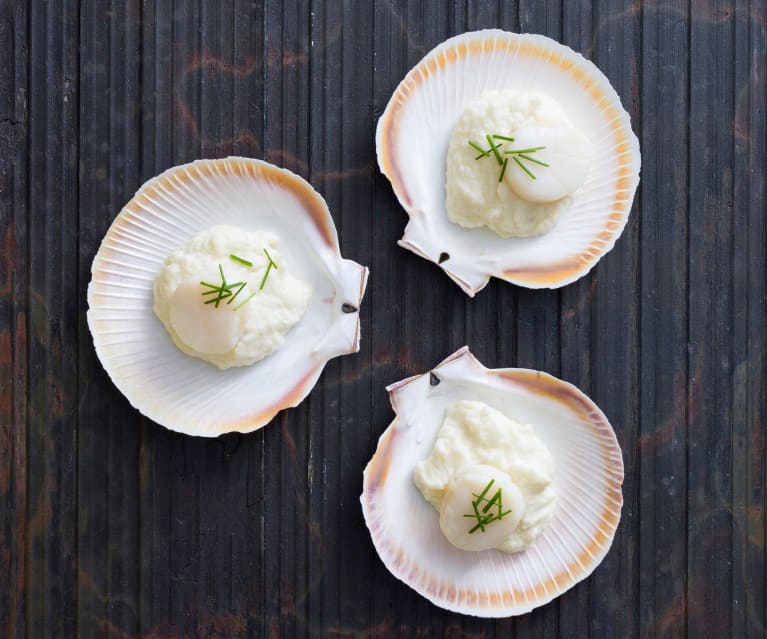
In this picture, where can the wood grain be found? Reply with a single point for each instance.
(111, 526)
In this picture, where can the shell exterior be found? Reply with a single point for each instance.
(588, 478)
(187, 394)
(412, 138)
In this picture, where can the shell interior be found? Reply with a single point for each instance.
(412, 138)
(187, 394)
(589, 474)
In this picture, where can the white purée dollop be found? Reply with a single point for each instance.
(489, 477)
(226, 296)
(546, 161)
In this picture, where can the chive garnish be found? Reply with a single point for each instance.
(516, 154)
(268, 268)
(503, 170)
(530, 150)
(225, 290)
(494, 149)
(236, 258)
(242, 286)
(222, 290)
(523, 167)
(480, 149)
(241, 304)
(483, 517)
(529, 159)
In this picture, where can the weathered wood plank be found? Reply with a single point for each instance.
(661, 467)
(749, 348)
(710, 320)
(54, 308)
(14, 346)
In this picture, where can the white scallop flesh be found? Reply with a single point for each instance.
(467, 487)
(205, 328)
(568, 154)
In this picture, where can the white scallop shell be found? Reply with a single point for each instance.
(412, 139)
(588, 478)
(187, 394)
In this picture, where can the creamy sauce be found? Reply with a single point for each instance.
(475, 444)
(517, 205)
(243, 328)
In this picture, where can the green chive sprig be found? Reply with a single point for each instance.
(241, 260)
(482, 516)
(269, 267)
(518, 155)
(222, 290)
(226, 290)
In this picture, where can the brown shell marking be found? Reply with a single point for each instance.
(556, 390)
(514, 43)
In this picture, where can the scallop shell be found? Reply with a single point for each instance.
(588, 478)
(412, 139)
(187, 394)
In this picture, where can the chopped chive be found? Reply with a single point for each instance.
(235, 258)
(229, 287)
(231, 299)
(523, 167)
(530, 150)
(221, 270)
(222, 295)
(268, 268)
(480, 520)
(209, 285)
(494, 149)
(503, 170)
(529, 159)
(494, 499)
(484, 492)
(480, 149)
(241, 304)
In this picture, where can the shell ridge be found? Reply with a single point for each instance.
(158, 200)
(552, 547)
(571, 521)
(109, 260)
(124, 236)
(172, 202)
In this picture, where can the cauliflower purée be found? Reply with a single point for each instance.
(475, 444)
(263, 302)
(533, 190)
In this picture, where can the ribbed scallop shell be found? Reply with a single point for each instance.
(184, 393)
(412, 139)
(588, 478)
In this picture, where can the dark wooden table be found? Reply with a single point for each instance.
(111, 526)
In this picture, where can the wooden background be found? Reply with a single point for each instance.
(111, 526)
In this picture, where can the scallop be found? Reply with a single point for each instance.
(412, 140)
(186, 394)
(405, 528)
